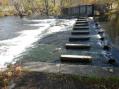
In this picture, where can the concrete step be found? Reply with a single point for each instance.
(79, 38)
(77, 24)
(77, 46)
(76, 58)
(72, 69)
(81, 21)
(80, 32)
(81, 28)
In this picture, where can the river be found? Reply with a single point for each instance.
(42, 40)
(19, 35)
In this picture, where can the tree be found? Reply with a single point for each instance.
(46, 7)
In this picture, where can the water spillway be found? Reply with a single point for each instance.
(83, 36)
(46, 39)
(18, 36)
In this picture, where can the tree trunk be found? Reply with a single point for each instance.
(46, 7)
(54, 2)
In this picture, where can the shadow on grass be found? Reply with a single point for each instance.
(37, 80)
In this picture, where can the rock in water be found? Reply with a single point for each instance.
(106, 47)
(111, 61)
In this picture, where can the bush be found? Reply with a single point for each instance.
(1, 13)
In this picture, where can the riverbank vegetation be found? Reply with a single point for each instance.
(9, 75)
(36, 7)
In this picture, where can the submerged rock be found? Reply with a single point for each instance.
(111, 61)
(106, 47)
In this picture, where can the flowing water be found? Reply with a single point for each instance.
(19, 35)
(32, 40)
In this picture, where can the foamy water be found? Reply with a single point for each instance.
(12, 48)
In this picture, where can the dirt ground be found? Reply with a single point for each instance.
(37, 80)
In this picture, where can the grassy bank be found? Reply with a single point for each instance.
(36, 80)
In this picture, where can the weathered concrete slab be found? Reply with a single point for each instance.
(82, 22)
(80, 32)
(42, 66)
(79, 38)
(81, 28)
(81, 70)
(78, 46)
(76, 58)
(77, 24)
(88, 70)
